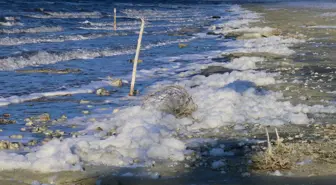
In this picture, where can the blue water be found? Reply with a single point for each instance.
(161, 39)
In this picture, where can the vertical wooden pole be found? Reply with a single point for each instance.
(115, 20)
(269, 145)
(136, 58)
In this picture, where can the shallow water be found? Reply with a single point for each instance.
(264, 85)
(62, 35)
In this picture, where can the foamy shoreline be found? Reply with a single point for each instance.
(145, 136)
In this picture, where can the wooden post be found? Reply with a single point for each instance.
(136, 58)
(269, 145)
(115, 20)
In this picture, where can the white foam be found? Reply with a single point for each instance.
(10, 24)
(32, 30)
(274, 45)
(44, 57)
(90, 88)
(10, 41)
(324, 26)
(329, 14)
(66, 15)
(140, 136)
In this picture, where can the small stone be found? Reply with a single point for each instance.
(14, 146)
(116, 82)
(84, 101)
(45, 117)
(216, 17)
(132, 61)
(32, 143)
(85, 112)
(102, 92)
(115, 110)
(23, 129)
(18, 136)
(6, 121)
(99, 129)
(181, 45)
(6, 115)
(30, 123)
(4, 145)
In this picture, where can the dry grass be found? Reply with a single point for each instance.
(276, 157)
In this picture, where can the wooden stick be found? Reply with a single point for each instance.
(269, 145)
(115, 20)
(278, 137)
(136, 58)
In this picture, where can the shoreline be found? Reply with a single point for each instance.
(234, 135)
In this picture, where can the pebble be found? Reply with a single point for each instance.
(18, 136)
(6, 115)
(29, 123)
(116, 82)
(84, 101)
(85, 112)
(102, 92)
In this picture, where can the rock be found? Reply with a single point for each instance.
(215, 70)
(250, 36)
(181, 45)
(85, 112)
(4, 145)
(115, 110)
(14, 145)
(84, 101)
(216, 17)
(116, 82)
(274, 32)
(173, 100)
(212, 33)
(233, 34)
(45, 117)
(29, 123)
(51, 71)
(23, 129)
(132, 60)
(99, 129)
(32, 143)
(39, 9)
(6, 115)
(18, 136)
(253, 54)
(6, 121)
(102, 92)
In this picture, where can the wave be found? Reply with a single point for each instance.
(32, 30)
(45, 57)
(90, 88)
(8, 41)
(67, 15)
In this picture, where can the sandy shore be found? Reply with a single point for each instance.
(293, 22)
